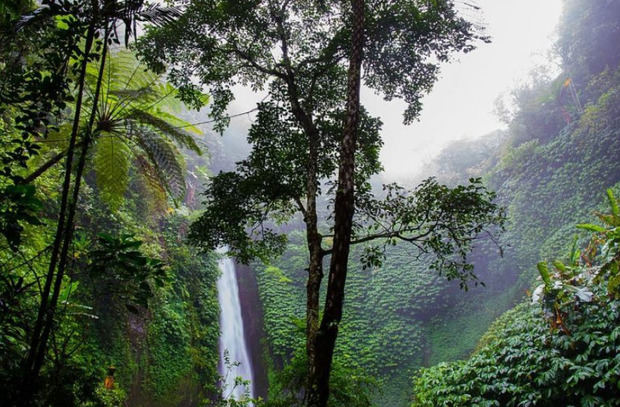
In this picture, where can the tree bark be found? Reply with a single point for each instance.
(343, 217)
(315, 267)
(45, 166)
(68, 235)
(30, 375)
(313, 237)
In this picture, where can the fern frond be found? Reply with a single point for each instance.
(165, 158)
(122, 72)
(112, 159)
(180, 136)
(134, 94)
(168, 97)
(137, 105)
(154, 185)
(178, 122)
(126, 72)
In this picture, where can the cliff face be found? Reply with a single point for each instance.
(167, 356)
(252, 314)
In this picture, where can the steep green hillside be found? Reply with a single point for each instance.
(384, 324)
(560, 348)
(548, 186)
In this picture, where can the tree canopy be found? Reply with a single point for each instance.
(308, 56)
(305, 45)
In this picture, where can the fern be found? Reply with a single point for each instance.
(177, 122)
(180, 136)
(112, 159)
(135, 108)
(166, 160)
(135, 126)
(123, 71)
(153, 185)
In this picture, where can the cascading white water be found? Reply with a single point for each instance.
(232, 338)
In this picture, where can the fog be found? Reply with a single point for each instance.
(461, 105)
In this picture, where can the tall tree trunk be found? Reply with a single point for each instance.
(68, 235)
(315, 268)
(343, 217)
(43, 315)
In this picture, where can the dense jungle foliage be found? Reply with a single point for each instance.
(135, 302)
(161, 335)
(560, 349)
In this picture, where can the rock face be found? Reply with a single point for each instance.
(252, 314)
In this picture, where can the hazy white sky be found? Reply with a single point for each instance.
(462, 102)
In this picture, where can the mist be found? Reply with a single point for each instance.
(462, 104)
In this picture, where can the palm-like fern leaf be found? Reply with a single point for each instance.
(166, 161)
(131, 94)
(135, 99)
(112, 159)
(120, 69)
(135, 126)
(180, 136)
(153, 184)
(132, 11)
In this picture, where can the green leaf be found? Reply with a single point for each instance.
(543, 269)
(574, 252)
(608, 219)
(591, 227)
(112, 160)
(67, 291)
(166, 161)
(169, 126)
(559, 266)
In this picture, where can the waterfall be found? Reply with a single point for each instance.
(232, 338)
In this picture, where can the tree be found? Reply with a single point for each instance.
(344, 209)
(309, 55)
(77, 33)
(134, 124)
(587, 37)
